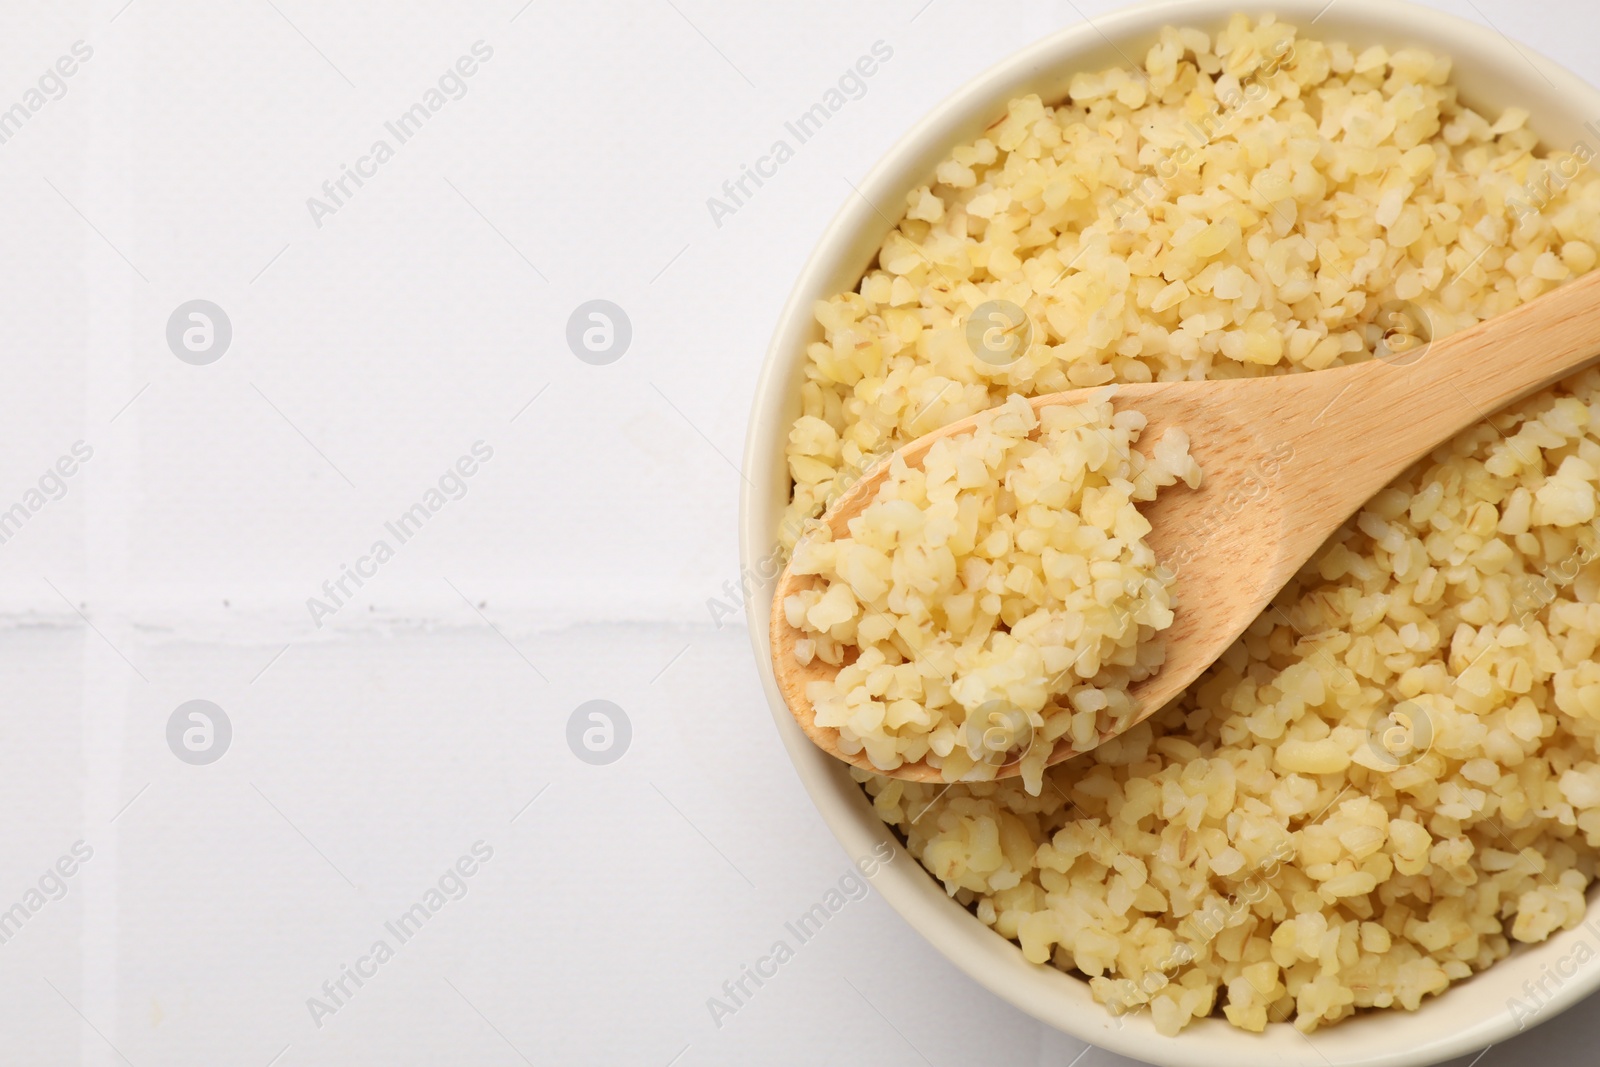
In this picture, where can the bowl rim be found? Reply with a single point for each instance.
(1486, 65)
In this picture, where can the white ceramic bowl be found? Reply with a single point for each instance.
(1491, 73)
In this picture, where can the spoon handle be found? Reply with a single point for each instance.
(1482, 369)
(1372, 420)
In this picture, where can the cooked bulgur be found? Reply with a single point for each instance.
(1395, 774)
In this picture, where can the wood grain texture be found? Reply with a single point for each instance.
(1286, 460)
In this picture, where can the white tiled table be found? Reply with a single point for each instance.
(426, 313)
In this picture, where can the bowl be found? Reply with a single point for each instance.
(1485, 1009)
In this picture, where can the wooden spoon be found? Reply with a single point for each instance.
(1286, 460)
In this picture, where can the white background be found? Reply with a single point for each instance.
(367, 355)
